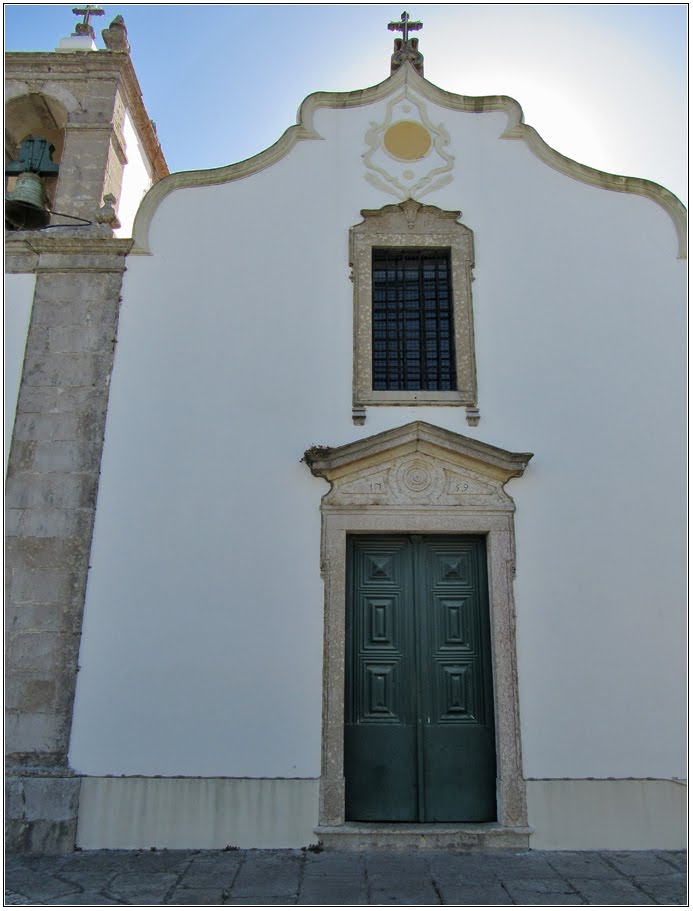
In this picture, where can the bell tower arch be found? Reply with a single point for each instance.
(87, 104)
(35, 117)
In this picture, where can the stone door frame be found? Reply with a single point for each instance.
(469, 499)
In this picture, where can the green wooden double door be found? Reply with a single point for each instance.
(419, 731)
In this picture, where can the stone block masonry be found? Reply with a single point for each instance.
(52, 482)
(41, 813)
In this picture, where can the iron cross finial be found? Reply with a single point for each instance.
(83, 27)
(405, 26)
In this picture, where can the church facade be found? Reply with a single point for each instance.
(344, 484)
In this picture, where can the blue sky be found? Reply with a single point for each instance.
(605, 84)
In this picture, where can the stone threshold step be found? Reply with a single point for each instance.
(483, 836)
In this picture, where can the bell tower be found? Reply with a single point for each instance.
(87, 104)
(80, 153)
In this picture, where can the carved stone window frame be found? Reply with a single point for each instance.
(420, 479)
(411, 224)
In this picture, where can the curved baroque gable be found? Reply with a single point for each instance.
(407, 75)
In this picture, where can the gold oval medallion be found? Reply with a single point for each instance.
(407, 140)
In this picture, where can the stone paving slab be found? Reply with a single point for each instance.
(542, 892)
(640, 863)
(187, 896)
(326, 890)
(398, 890)
(530, 865)
(252, 877)
(86, 898)
(678, 858)
(263, 900)
(583, 864)
(465, 869)
(208, 877)
(39, 886)
(489, 893)
(669, 888)
(92, 880)
(612, 892)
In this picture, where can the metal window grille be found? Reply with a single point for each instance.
(413, 331)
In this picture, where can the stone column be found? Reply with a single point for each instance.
(93, 155)
(52, 481)
(92, 164)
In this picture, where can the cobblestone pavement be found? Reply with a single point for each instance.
(236, 877)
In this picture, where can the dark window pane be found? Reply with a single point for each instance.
(412, 320)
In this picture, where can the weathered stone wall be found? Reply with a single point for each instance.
(79, 101)
(41, 813)
(52, 480)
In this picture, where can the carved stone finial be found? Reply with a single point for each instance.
(406, 48)
(115, 37)
(407, 51)
(106, 215)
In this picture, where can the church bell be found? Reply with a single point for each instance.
(25, 206)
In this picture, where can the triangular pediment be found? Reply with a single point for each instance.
(416, 464)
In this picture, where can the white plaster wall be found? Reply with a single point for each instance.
(19, 298)
(202, 813)
(202, 644)
(626, 815)
(137, 178)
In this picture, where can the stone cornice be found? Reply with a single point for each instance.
(143, 123)
(328, 463)
(41, 242)
(38, 251)
(304, 129)
(96, 64)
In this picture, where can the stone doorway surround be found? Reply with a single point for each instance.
(423, 479)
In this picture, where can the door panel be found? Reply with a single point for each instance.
(419, 740)
(382, 786)
(459, 777)
(380, 732)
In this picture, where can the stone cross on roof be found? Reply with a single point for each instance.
(406, 48)
(84, 27)
(405, 26)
